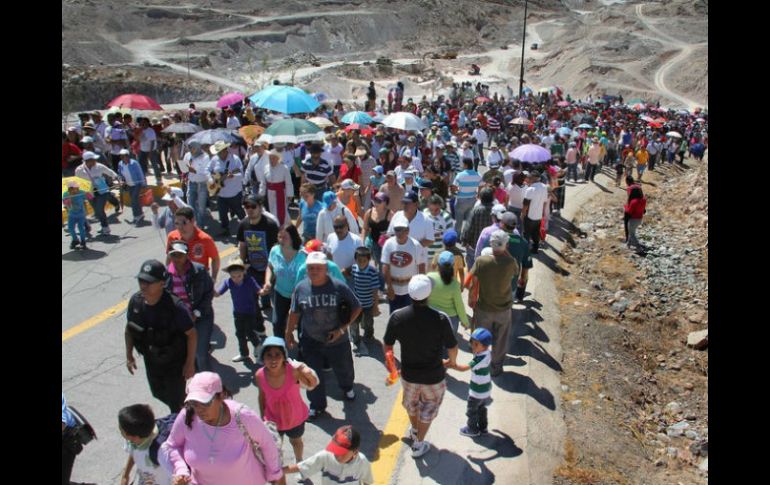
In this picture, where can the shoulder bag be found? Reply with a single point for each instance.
(271, 427)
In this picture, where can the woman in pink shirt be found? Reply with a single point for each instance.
(206, 445)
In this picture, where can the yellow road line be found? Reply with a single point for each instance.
(111, 312)
(389, 448)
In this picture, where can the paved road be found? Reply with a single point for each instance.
(526, 443)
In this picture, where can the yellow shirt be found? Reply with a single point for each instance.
(642, 157)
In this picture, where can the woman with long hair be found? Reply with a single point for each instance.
(283, 264)
(446, 293)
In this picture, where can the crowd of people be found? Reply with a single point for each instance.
(382, 214)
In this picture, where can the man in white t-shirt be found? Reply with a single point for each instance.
(333, 153)
(342, 243)
(420, 228)
(535, 202)
(402, 258)
(197, 163)
(232, 121)
(148, 149)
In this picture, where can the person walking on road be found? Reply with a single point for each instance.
(402, 258)
(466, 185)
(480, 387)
(535, 203)
(197, 162)
(423, 333)
(201, 248)
(161, 329)
(481, 217)
(325, 308)
(191, 283)
(494, 275)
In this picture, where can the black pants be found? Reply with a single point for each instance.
(477, 414)
(532, 232)
(167, 383)
(230, 205)
(70, 448)
(590, 172)
(246, 330)
(626, 217)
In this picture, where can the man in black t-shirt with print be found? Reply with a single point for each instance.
(257, 234)
(423, 334)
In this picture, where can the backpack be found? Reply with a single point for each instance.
(164, 429)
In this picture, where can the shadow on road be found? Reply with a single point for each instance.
(83, 255)
(513, 382)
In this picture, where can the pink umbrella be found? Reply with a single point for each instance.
(135, 101)
(562, 104)
(230, 99)
(531, 153)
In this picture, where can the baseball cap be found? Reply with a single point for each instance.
(494, 164)
(178, 246)
(316, 257)
(482, 336)
(382, 197)
(498, 210)
(152, 271)
(508, 219)
(349, 184)
(329, 198)
(124, 152)
(400, 221)
(384, 150)
(425, 184)
(409, 197)
(344, 440)
(408, 173)
(89, 155)
(390, 173)
(273, 342)
(378, 169)
(498, 239)
(420, 287)
(313, 245)
(87, 139)
(446, 258)
(450, 237)
(72, 184)
(203, 387)
(175, 192)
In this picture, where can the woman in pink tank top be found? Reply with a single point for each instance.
(279, 384)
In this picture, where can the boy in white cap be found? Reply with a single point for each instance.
(166, 218)
(95, 172)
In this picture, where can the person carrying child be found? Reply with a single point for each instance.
(249, 323)
(340, 462)
(144, 435)
(75, 200)
(366, 285)
(279, 397)
(481, 383)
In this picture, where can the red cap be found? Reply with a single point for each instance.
(343, 441)
(313, 245)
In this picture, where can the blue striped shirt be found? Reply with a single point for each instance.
(365, 281)
(317, 174)
(468, 182)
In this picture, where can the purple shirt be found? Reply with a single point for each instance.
(483, 241)
(232, 456)
(244, 295)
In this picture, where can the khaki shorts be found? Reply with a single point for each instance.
(424, 399)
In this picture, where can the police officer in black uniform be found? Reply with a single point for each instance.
(160, 328)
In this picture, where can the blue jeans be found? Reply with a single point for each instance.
(154, 157)
(340, 359)
(463, 208)
(477, 414)
(136, 206)
(400, 301)
(98, 205)
(197, 197)
(80, 221)
(230, 205)
(204, 326)
(470, 257)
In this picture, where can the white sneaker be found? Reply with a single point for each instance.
(105, 230)
(239, 358)
(419, 448)
(412, 434)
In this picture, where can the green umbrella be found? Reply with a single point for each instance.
(292, 130)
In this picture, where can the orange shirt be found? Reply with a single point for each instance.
(201, 248)
(352, 204)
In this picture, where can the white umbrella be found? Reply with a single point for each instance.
(403, 121)
(321, 122)
(674, 134)
(520, 121)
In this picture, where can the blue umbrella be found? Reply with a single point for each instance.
(209, 137)
(565, 131)
(285, 99)
(359, 117)
(585, 126)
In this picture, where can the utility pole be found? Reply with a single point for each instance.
(523, 40)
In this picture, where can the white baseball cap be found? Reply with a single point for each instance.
(316, 257)
(420, 287)
(124, 152)
(89, 155)
(175, 192)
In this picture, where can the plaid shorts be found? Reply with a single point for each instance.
(424, 399)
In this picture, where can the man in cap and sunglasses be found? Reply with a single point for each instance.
(229, 169)
(160, 328)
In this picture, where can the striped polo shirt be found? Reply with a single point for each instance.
(365, 281)
(317, 174)
(441, 224)
(468, 182)
(493, 124)
(481, 382)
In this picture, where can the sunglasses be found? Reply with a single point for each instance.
(401, 229)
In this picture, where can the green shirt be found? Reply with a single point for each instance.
(495, 274)
(447, 298)
(518, 247)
